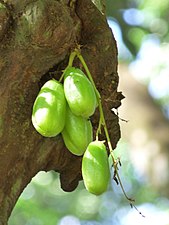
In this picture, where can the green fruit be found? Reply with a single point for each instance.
(49, 109)
(95, 168)
(77, 133)
(79, 93)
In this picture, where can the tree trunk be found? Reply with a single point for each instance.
(36, 39)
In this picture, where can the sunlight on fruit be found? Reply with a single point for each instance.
(48, 96)
(41, 113)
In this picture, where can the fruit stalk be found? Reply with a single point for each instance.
(102, 122)
(70, 63)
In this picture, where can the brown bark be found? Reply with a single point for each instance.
(35, 37)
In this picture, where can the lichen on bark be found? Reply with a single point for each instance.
(38, 36)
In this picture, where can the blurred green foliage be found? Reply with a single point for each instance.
(137, 19)
(144, 31)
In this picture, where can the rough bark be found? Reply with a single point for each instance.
(36, 39)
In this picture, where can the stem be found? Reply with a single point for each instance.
(121, 185)
(88, 73)
(98, 131)
(71, 59)
(103, 123)
(70, 63)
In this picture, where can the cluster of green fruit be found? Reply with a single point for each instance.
(66, 108)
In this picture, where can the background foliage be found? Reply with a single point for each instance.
(141, 31)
